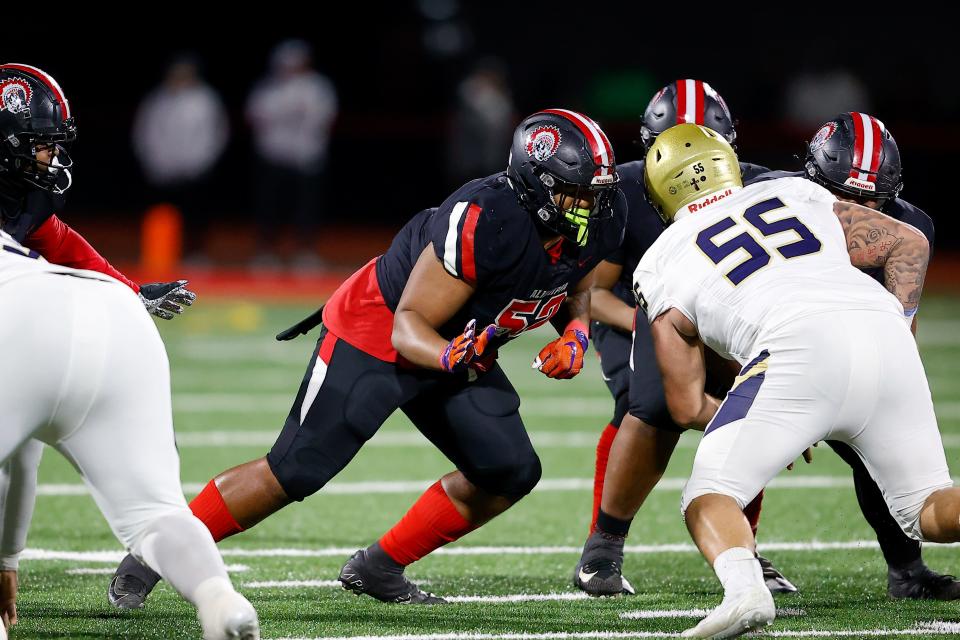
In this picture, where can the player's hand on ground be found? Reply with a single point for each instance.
(563, 358)
(166, 299)
(469, 350)
(807, 456)
(8, 598)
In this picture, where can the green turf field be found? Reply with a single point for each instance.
(233, 385)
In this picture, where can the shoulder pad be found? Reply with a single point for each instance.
(480, 230)
(914, 216)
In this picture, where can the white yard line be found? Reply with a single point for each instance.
(594, 409)
(937, 333)
(414, 439)
(304, 584)
(113, 556)
(935, 628)
(387, 439)
(514, 597)
(508, 598)
(103, 571)
(247, 402)
(521, 597)
(655, 614)
(549, 484)
(292, 584)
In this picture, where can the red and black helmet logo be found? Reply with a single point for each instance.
(543, 142)
(15, 95)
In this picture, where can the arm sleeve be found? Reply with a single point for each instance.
(60, 244)
(18, 488)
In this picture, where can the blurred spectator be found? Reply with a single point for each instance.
(812, 98)
(291, 112)
(482, 124)
(179, 132)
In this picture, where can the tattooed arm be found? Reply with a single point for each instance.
(877, 240)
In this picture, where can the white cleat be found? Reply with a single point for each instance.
(227, 615)
(737, 614)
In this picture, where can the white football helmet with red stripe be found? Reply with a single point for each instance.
(34, 113)
(686, 101)
(561, 150)
(854, 154)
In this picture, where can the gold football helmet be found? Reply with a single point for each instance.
(686, 163)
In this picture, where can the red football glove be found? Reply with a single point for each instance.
(563, 358)
(467, 350)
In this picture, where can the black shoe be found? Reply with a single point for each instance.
(776, 582)
(131, 584)
(918, 582)
(599, 572)
(372, 572)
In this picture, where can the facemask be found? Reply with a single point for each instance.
(579, 217)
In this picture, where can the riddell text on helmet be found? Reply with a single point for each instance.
(860, 184)
(700, 204)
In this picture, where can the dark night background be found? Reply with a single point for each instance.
(396, 73)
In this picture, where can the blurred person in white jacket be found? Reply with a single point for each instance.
(291, 112)
(180, 131)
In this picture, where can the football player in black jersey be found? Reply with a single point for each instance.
(636, 445)
(37, 127)
(856, 158)
(418, 328)
(639, 452)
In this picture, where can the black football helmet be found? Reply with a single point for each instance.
(855, 155)
(557, 150)
(34, 113)
(688, 100)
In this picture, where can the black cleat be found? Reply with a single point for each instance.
(131, 584)
(599, 572)
(372, 572)
(919, 582)
(776, 582)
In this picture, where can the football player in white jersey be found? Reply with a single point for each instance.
(768, 275)
(84, 370)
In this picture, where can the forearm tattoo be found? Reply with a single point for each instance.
(877, 240)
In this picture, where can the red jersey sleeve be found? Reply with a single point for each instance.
(60, 244)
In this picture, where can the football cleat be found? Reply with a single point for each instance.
(919, 582)
(372, 572)
(738, 613)
(776, 582)
(599, 572)
(131, 584)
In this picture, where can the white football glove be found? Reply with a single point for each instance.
(166, 299)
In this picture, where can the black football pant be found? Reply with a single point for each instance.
(347, 394)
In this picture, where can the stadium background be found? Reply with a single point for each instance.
(396, 73)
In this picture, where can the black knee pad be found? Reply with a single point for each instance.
(298, 480)
(511, 481)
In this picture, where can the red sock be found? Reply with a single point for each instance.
(430, 523)
(212, 511)
(603, 454)
(752, 511)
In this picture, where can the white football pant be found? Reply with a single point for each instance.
(84, 370)
(852, 376)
